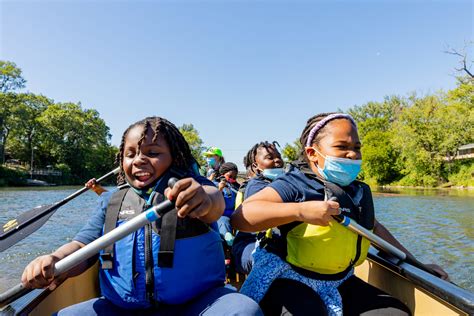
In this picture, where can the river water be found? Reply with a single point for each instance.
(435, 225)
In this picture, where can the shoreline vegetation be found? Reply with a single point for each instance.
(408, 142)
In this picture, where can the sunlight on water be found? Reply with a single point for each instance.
(437, 226)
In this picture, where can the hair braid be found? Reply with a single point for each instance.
(249, 158)
(312, 121)
(179, 148)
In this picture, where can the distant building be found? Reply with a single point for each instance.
(465, 152)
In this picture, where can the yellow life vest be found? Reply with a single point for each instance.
(332, 249)
(325, 249)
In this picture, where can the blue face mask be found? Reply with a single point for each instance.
(211, 162)
(273, 173)
(341, 171)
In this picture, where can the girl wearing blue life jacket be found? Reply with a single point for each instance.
(310, 249)
(174, 266)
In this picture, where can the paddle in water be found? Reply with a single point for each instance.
(28, 222)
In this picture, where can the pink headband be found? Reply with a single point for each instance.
(324, 121)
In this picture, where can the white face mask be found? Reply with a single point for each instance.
(273, 173)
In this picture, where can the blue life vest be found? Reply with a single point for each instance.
(197, 266)
(229, 198)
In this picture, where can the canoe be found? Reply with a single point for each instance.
(423, 293)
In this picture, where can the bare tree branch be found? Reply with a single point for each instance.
(464, 60)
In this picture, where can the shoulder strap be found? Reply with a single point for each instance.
(167, 239)
(111, 215)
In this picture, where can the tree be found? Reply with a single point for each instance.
(76, 137)
(24, 123)
(428, 133)
(292, 151)
(10, 80)
(195, 142)
(10, 77)
(464, 63)
(374, 121)
(7, 104)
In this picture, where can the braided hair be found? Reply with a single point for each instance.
(179, 148)
(312, 122)
(249, 158)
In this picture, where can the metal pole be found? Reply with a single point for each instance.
(86, 252)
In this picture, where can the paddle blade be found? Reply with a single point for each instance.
(25, 224)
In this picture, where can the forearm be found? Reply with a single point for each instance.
(98, 189)
(258, 215)
(217, 204)
(385, 234)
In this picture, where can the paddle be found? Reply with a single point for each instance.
(150, 215)
(376, 240)
(28, 222)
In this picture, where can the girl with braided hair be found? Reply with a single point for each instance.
(173, 266)
(264, 162)
(313, 252)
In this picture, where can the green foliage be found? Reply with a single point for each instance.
(464, 175)
(428, 132)
(376, 116)
(412, 141)
(291, 151)
(12, 177)
(24, 124)
(76, 137)
(379, 157)
(374, 121)
(10, 77)
(195, 142)
(63, 135)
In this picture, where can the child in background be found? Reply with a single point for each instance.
(314, 252)
(228, 185)
(264, 161)
(214, 160)
(136, 276)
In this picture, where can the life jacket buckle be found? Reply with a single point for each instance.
(106, 259)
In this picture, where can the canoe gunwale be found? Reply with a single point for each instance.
(438, 289)
(430, 284)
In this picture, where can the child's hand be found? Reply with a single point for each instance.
(190, 198)
(91, 183)
(39, 273)
(94, 186)
(442, 274)
(222, 184)
(318, 212)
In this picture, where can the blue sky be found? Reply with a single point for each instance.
(240, 71)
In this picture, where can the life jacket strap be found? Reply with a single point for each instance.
(167, 239)
(113, 209)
